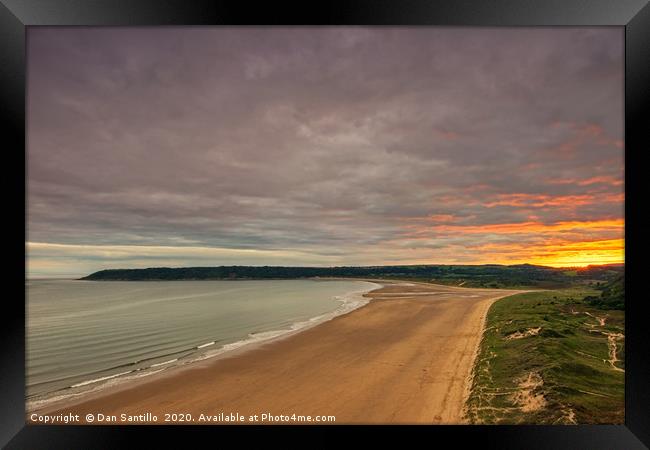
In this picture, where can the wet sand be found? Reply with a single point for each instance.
(405, 357)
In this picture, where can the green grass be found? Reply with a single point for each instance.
(570, 353)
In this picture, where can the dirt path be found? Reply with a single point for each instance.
(601, 320)
(611, 342)
(612, 338)
(406, 357)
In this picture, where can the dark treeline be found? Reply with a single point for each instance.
(477, 276)
(612, 295)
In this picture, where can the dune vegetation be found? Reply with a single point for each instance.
(550, 357)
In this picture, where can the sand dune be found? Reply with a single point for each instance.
(399, 359)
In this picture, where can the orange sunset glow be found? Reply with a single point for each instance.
(567, 254)
(561, 244)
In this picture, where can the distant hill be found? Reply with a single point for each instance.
(491, 275)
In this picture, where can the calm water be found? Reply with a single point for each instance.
(84, 335)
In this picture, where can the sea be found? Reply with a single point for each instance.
(84, 336)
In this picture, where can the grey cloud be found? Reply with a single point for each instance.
(311, 137)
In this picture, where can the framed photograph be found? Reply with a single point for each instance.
(350, 216)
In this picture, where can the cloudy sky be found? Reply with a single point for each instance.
(323, 146)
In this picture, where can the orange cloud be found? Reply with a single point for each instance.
(552, 246)
(537, 200)
(583, 133)
(603, 179)
(563, 201)
(442, 218)
(530, 227)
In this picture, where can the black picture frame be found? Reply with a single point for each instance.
(633, 15)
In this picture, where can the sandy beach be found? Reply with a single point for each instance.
(405, 357)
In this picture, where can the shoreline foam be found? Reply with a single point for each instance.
(349, 301)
